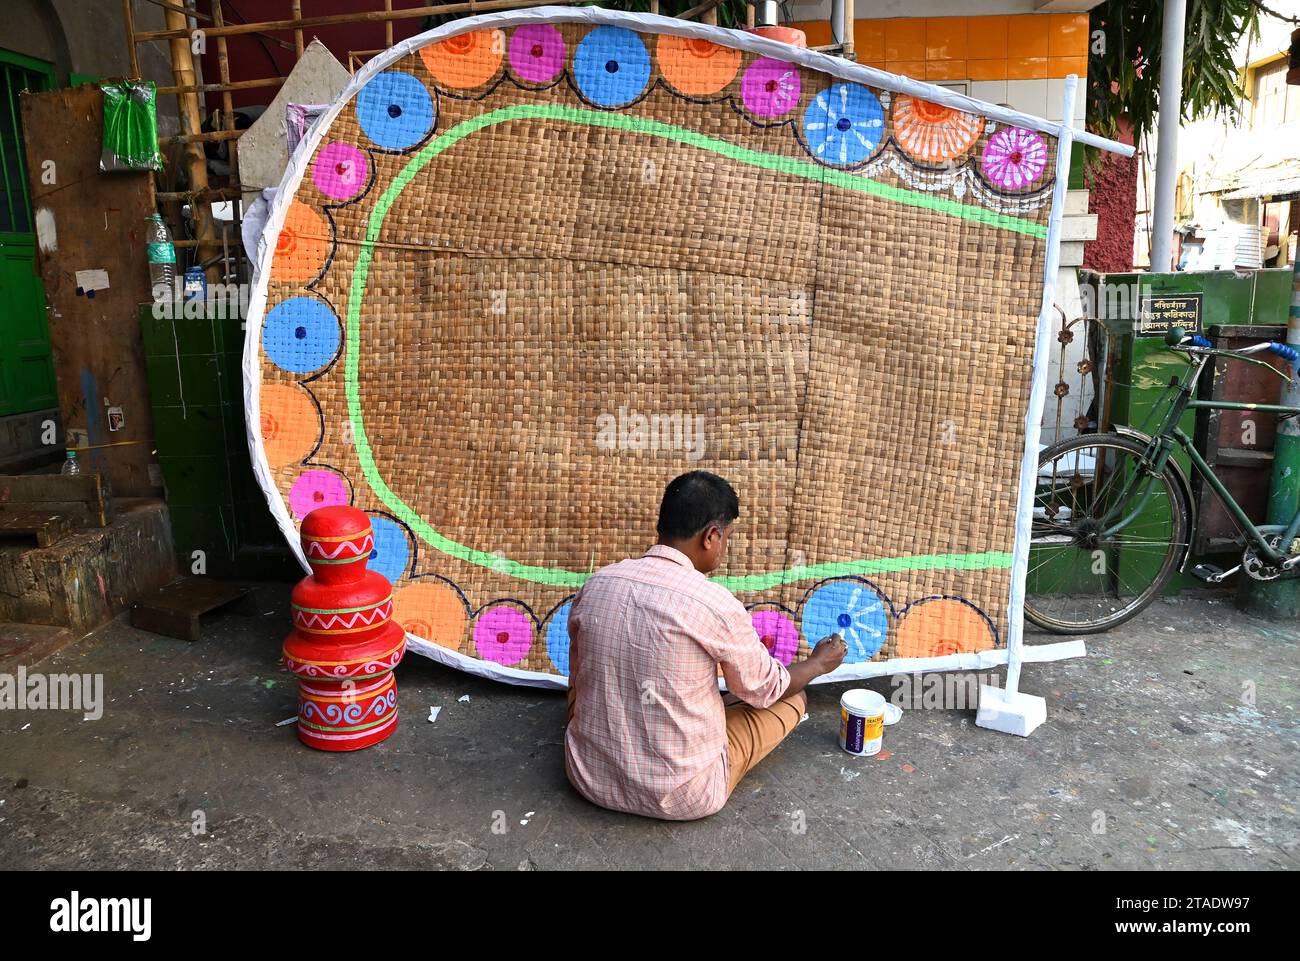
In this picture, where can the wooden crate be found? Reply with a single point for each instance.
(85, 499)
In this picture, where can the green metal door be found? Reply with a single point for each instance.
(26, 367)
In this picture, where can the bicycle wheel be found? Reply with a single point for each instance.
(1108, 534)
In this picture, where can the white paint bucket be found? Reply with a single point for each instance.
(862, 721)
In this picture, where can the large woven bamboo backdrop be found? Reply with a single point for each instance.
(531, 274)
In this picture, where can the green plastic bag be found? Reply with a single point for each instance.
(130, 127)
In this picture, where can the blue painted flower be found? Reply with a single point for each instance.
(851, 609)
(395, 110)
(843, 125)
(301, 335)
(611, 66)
(557, 639)
(392, 551)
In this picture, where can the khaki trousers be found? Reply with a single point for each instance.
(752, 732)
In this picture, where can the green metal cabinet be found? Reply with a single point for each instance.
(196, 387)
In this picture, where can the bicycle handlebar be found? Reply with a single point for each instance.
(1284, 350)
(1177, 337)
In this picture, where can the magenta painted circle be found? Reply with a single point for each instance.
(340, 171)
(1014, 158)
(770, 88)
(778, 634)
(316, 488)
(503, 634)
(536, 52)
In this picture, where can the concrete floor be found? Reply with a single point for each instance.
(1151, 758)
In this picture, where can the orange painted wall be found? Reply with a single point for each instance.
(1029, 47)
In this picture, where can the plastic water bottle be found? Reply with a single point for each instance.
(70, 466)
(195, 284)
(162, 254)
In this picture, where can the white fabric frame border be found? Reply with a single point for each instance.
(1014, 654)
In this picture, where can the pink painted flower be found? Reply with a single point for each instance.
(778, 634)
(316, 488)
(340, 171)
(503, 634)
(1014, 158)
(537, 52)
(770, 88)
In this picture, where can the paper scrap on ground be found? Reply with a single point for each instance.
(92, 279)
(433, 713)
(463, 699)
(287, 720)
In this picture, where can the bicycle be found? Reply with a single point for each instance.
(1113, 512)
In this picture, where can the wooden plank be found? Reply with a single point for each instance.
(176, 609)
(86, 499)
(45, 527)
(1240, 457)
(99, 222)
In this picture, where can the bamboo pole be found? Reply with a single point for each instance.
(848, 53)
(228, 116)
(196, 163)
(388, 24)
(751, 15)
(184, 138)
(223, 72)
(297, 34)
(197, 15)
(128, 18)
(209, 195)
(220, 87)
(373, 16)
(700, 10)
(356, 58)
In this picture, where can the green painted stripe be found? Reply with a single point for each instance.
(799, 168)
(794, 166)
(340, 610)
(355, 727)
(883, 565)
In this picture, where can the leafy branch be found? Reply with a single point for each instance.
(1124, 62)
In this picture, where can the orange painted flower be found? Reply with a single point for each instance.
(696, 66)
(466, 60)
(942, 625)
(933, 133)
(433, 611)
(290, 424)
(302, 246)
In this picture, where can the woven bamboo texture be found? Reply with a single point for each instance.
(530, 275)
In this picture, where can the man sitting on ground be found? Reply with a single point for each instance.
(648, 731)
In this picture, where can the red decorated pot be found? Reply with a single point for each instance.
(337, 542)
(344, 643)
(347, 716)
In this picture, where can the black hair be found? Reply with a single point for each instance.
(694, 501)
